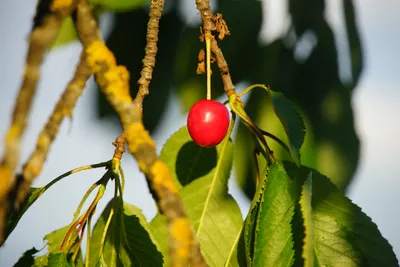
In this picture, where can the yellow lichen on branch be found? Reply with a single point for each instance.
(113, 81)
(180, 230)
(162, 177)
(40, 39)
(98, 54)
(117, 77)
(60, 4)
(137, 135)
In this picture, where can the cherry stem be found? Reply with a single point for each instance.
(252, 87)
(208, 61)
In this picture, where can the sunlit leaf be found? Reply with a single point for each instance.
(213, 213)
(306, 212)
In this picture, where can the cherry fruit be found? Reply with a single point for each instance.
(208, 122)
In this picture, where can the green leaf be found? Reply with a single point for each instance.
(313, 83)
(306, 212)
(120, 5)
(291, 121)
(66, 34)
(14, 218)
(261, 110)
(273, 240)
(343, 234)
(128, 240)
(54, 241)
(58, 260)
(27, 259)
(336, 231)
(101, 262)
(189, 161)
(214, 214)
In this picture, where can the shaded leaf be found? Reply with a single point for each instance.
(343, 234)
(189, 161)
(27, 259)
(337, 232)
(314, 85)
(306, 14)
(244, 19)
(128, 241)
(120, 5)
(292, 123)
(205, 198)
(58, 260)
(260, 109)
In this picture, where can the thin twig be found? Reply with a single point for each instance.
(40, 40)
(149, 60)
(119, 144)
(208, 27)
(113, 81)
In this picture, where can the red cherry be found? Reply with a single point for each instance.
(208, 122)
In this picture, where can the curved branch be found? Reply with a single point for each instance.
(63, 108)
(113, 81)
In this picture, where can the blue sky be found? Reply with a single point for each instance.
(376, 109)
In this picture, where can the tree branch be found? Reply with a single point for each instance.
(149, 60)
(64, 107)
(40, 40)
(113, 81)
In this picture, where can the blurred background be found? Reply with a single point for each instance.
(336, 60)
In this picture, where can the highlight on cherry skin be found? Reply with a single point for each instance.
(208, 122)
